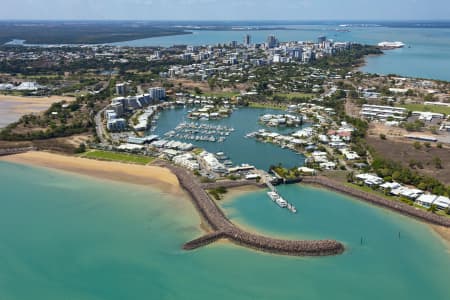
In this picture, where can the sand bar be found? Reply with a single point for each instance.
(153, 176)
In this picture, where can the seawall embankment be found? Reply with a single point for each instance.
(224, 228)
(397, 206)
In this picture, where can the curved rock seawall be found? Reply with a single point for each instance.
(397, 206)
(224, 228)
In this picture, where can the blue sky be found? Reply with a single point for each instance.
(227, 9)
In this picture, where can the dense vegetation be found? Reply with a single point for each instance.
(288, 174)
(348, 58)
(59, 120)
(391, 170)
(81, 32)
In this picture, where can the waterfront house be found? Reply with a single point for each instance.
(390, 185)
(409, 193)
(442, 202)
(370, 179)
(307, 171)
(426, 200)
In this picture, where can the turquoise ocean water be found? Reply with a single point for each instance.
(426, 54)
(71, 237)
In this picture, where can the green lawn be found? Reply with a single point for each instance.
(369, 190)
(431, 108)
(266, 105)
(116, 156)
(290, 96)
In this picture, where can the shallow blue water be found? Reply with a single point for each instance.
(72, 237)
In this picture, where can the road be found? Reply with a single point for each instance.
(99, 126)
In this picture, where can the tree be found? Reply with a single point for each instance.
(447, 210)
(212, 82)
(350, 176)
(197, 90)
(81, 148)
(433, 208)
(396, 175)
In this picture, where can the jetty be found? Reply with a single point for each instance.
(223, 228)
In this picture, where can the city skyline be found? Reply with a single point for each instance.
(203, 10)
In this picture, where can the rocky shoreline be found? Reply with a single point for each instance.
(397, 206)
(224, 228)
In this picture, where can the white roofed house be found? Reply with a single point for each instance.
(308, 171)
(370, 179)
(442, 202)
(390, 185)
(409, 193)
(383, 112)
(427, 116)
(426, 200)
(329, 165)
(349, 155)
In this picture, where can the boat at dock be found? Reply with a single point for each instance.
(273, 194)
(277, 199)
(292, 208)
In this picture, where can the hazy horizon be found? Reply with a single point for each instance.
(231, 10)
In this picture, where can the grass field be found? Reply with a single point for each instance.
(119, 157)
(291, 96)
(266, 105)
(431, 108)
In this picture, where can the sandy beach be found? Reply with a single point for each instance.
(443, 232)
(233, 193)
(160, 178)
